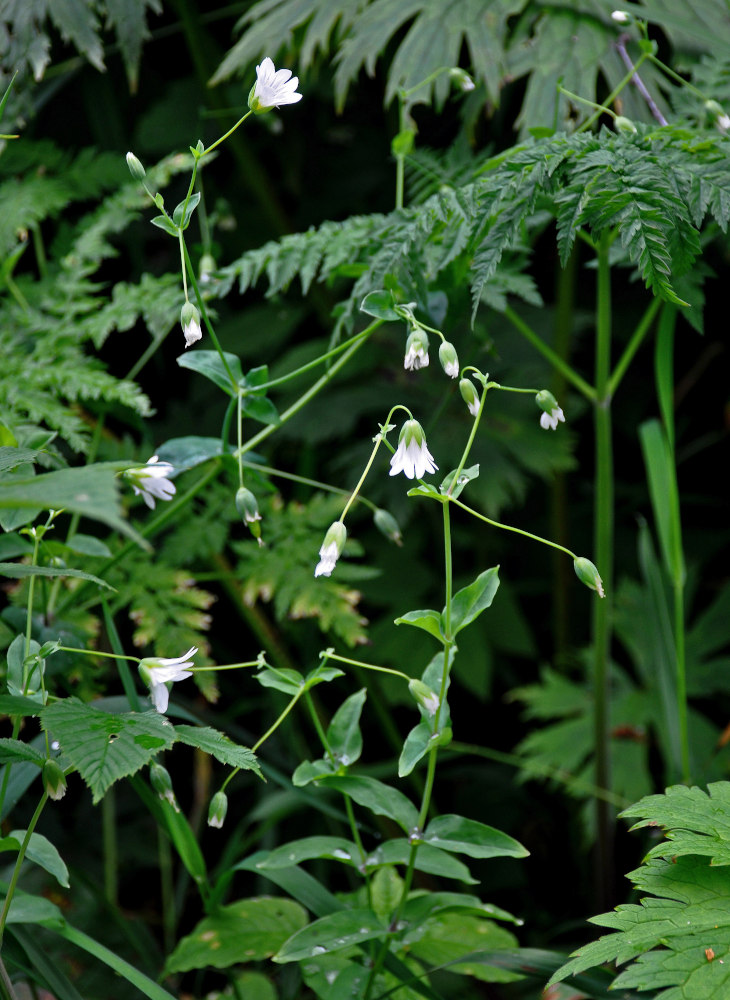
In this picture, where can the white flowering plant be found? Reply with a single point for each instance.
(289, 540)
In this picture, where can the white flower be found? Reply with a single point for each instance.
(412, 457)
(620, 17)
(190, 322)
(272, 88)
(416, 351)
(157, 672)
(331, 548)
(549, 421)
(723, 122)
(151, 481)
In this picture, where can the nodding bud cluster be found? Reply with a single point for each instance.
(449, 359)
(588, 574)
(248, 508)
(424, 696)
(54, 780)
(469, 395)
(162, 783)
(190, 322)
(135, 167)
(387, 524)
(217, 810)
(416, 350)
(551, 413)
(331, 548)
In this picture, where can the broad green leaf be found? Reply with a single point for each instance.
(39, 850)
(321, 675)
(88, 545)
(420, 908)
(218, 745)
(105, 746)
(386, 890)
(343, 733)
(311, 847)
(469, 602)
(209, 364)
(428, 859)
(281, 679)
(247, 931)
(19, 571)
(25, 673)
(694, 821)
(465, 477)
(14, 750)
(428, 620)
(13, 545)
(449, 937)
(260, 408)
(467, 836)
(91, 490)
(380, 305)
(27, 909)
(377, 796)
(332, 933)
(416, 746)
(12, 457)
(187, 452)
(310, 770)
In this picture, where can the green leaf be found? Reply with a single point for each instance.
(469, 603)
(260, 408)
(192, 203)
(25, 673)
(451, 939)
(428, 859)
(380, 305)
(467, 836)
(14, 750)
(88, 545)
(386, 890)
(421, 907)
(185, 841)
(311, 847)
(91, 491)
(332, 933)
(187, 452)
(281, 679)
(39, 850)
(377, 796)
(105, 746)
(209, 364)
(165, 223)
(27, 909)
(321, 675)
(18, 705)
(19, 571)
(694, 821)
(218, 745)
(310, 770)
(417, 744)
(247, 931)
(465, 477)
(428, 620)
(343, 733)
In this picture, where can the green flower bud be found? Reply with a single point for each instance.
(624, 124)
(330, 549)
(469, 395)
(449, 359)
(461, 78)
(217, 810)
(190, 322)
(54, 780)
(248, 508)
(162, 783)
(588, 574)
(424, 696)
(135, 167)
(387, 524)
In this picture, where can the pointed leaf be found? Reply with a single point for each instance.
(39, 850)
(343, 733)
(428, 620)
(373, 794)
(417, 744)
(311, 847)
(469, 603)
(332, 933)
(467, 836)
(379, 304)
(209, 364)
(218, 745)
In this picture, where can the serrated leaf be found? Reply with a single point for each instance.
(105, 746)
(12, 750)
(218, 745)
(332, 933)
(246, 931)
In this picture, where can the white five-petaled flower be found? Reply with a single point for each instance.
(412, 456)
(157, 672)
(150, 481)
(272, 88)
(549, 421)
(331, 548)
(416, 351)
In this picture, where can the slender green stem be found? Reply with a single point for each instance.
(355, 493)
(320, 359)
(8, 993)
(613, 95)
(633, 345)
(331, 655)
(306, 481)
(509, 527)
(448, 578)
(469, 443)
(19, 863)
(187, 263)
(679, 644)
(272, 728)
(167, 891)
(400, 159)
(547, 352)
(603, 548)
(223, 138)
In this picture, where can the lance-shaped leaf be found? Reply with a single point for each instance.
(377, 796)
(343, 733)
(469, 602)
(41, 851)
(467, 836)
(427, 619)
(332, 933)
(311, 847)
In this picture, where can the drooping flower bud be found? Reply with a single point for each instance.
(469, 395)
(217, 810)
(449, 359)
(247, 506)
(624, 125)
(620, 17)
(416, 355)
(551, 412)
(54, 780)
(162, 783)
(190, 322)
(135, 167)
(387, 524)
(588, 574)
(412, 456)
(424, 696)
(331, 548)
(461, 78)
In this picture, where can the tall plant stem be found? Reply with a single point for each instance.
(603, 548)
(19, 863)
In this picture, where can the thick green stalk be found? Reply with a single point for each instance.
(603, 549)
